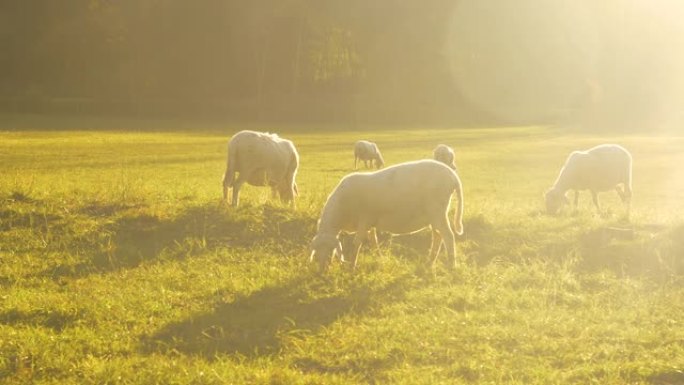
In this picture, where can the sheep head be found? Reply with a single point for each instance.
(287, 191)
(323, 248)
(554, 200)
(379, 162)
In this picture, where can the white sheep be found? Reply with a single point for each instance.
(445, 154)
(400, 199)
(261, 159)
(367, 151)
(598, 169)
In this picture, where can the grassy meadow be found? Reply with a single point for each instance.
(118, 265)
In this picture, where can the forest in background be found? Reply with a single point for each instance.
(465, 62)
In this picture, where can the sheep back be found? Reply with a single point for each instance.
(399, 199)
(264, 158)
(600, 168)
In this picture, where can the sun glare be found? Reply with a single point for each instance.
(342, 192)
(615, 63)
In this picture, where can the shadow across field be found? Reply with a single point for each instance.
(11, 218)
(478, 244)
(256, 324)
(130, 236)
(51, 319)
(633, 250)
(99, 237)
(627, 249)
(672, 377)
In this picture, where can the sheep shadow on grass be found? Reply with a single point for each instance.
(54, 319)
(256, 324)
(671, 377)
(638, 250)
(635, 250)
(130, 238)
(473, 246)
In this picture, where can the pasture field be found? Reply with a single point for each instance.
(119, 266)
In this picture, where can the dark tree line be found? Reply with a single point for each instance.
(316, 60)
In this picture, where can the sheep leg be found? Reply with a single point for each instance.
(626, 197)
(621, 192)
(285, 187)
(435, 246)
(373, 238)
(628, 190)
(447, 234)
(576, 199)
(236, 189)
(361, 234)
(227, 182)
(356, 160)
(594, 197)
(358, 241)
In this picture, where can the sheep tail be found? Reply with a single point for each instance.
(458, 216)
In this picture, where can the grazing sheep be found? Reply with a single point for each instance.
(598, 169)
(366, 151)
(445, 154)
(400, 199)
(261, 159)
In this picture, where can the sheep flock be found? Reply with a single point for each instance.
(403, 198)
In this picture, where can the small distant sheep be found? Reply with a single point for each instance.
(445, 154)
(598, 169)
(261, 159)
(367, 151)
(400, 199)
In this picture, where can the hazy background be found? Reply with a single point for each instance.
(610, 64)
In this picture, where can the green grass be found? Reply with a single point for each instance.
(118, 265)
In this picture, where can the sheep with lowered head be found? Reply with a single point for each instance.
(400, 199)
(598, 169)
(367, 151)
(445, 154)
(261, 159)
